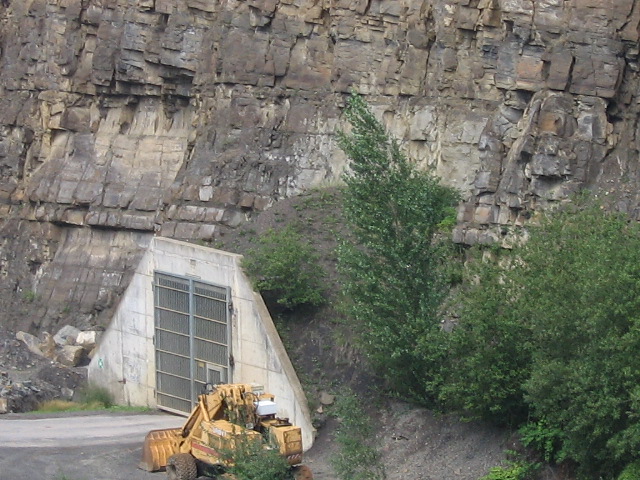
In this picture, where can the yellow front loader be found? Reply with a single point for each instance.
(226, 419)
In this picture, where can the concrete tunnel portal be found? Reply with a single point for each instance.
(188, 317)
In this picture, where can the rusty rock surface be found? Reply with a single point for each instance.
(121, 119)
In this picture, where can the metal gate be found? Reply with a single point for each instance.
(192, 339)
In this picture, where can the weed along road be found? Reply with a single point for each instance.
(78, 447)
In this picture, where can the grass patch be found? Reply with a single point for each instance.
(88, 398)
(92, 394)
(357, 458)
(29, 296)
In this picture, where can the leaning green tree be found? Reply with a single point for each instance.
(393, 262)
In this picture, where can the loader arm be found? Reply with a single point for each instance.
(208, 407)
(159, 445)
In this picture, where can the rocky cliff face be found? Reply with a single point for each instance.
(121, 119)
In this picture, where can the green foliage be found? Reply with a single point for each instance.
(490, 351)
(95, 395)
(631, 471)
(582, 278)
(544, 439)
(29, 296)
(253, 462)
(393, 263)
(552, 331)
(514, 470)
(284, 267)
(450, 219)
(356, 458)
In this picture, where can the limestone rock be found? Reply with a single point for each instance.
(70, 355)
(88, 339)
(32, 342)
(67, 335)
(48, 346)
(327, 398)
(67, 393)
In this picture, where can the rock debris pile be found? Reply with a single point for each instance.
(34, 370)
(23, 396)
(70, 346)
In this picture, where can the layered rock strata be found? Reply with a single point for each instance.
(121, 119)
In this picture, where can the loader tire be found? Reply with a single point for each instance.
(182, 466)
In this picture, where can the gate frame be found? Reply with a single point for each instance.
(191, 279)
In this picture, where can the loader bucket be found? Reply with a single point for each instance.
(158, 446)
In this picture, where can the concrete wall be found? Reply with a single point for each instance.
(125, 359)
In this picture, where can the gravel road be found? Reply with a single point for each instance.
(93, 447)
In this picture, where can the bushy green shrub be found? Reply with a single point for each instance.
(284, 267)
(513, 470)
(549, 330)
(490, 350)
(29, 296)
(545, 440)
(631, 472)
(253, 462)
(552, 332)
